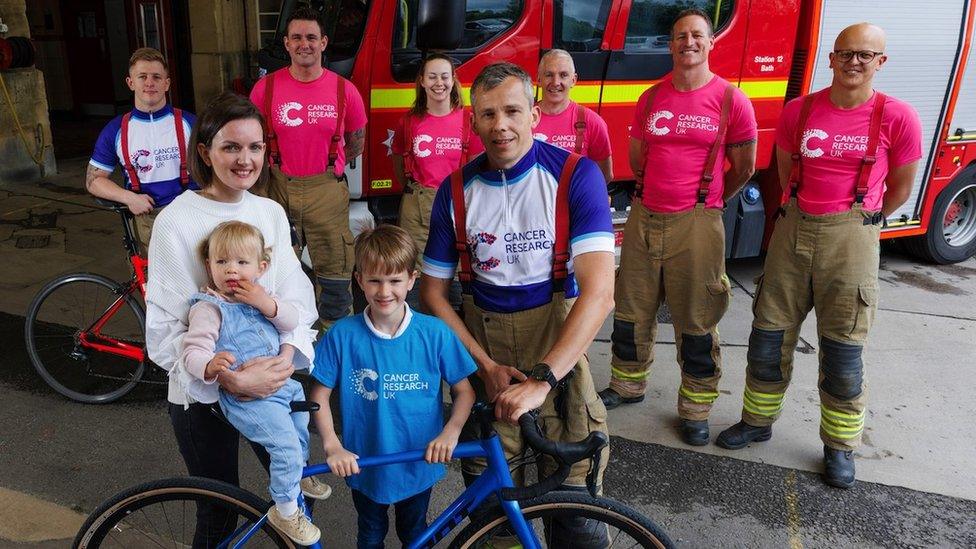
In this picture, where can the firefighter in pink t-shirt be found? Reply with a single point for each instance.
(565, 123)
(316, 122)
(847, 156)
(684, 130)
(432, 140)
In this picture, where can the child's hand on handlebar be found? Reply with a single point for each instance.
(342, 461)
(441, 448)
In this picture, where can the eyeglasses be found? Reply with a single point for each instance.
(864, 56)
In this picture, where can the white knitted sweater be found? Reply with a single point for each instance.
(176, 272)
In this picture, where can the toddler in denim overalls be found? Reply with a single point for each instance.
(235, 321)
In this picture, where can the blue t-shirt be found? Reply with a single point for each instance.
(511, 225)
(153, 151)
(390, 396)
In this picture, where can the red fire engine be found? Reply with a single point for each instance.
(774, 50)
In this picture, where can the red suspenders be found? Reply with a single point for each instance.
(560, 252)
(271, 138)
(870, 155)
(580, 127)
(130, 170)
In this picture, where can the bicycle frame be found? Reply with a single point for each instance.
(91, 337)
(496, 477)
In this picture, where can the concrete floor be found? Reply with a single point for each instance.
(917, 468)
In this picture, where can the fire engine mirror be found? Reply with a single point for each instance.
(440, 24)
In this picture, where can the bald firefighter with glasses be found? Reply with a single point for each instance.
(847, 157)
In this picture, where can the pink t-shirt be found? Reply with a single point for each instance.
(560, 130)
(679, 133)
(304, 115)
(436, 145)
(834, 144)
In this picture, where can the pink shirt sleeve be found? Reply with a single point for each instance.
(786, 130)
(355, 111)
(257, 94)
(598, 137)
(906, 136)
(201, 339)
(742, 119)
(287, 318)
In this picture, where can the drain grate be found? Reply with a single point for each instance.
(33, 241)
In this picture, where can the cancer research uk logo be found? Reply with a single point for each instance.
(815, 139)
(425, 145)
(140, 159)
(657, 123)
(290, 114)
(367, 384)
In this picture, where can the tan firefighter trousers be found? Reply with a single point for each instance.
(521, 340)
(415, 208)
(143, 225)
(318, 209)
(678, 257)
(828, 263)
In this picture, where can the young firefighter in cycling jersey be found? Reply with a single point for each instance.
(847, 156)
(432, 140)
(528, 226)
(149, 142)
(565, 123)
(235, 321)
(387, 365)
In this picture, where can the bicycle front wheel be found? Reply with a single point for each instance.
(179, 512)
(81, 332)
(557, 518)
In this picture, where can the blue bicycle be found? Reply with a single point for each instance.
(164, 513)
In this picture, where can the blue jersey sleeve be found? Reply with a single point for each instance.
(440, 256)
(590, 227)
(326, 370)
(455, 361)
(105, 157)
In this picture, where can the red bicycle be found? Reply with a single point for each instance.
(85, 332)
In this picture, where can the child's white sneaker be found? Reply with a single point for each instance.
(315, 489)
(297, 527)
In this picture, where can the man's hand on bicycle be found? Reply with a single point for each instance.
(221, 362)
(260, 377)
(139, 204)
(341, 461)
(518, 399)
(498, 377)
(253, 294)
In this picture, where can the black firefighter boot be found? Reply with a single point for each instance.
(838, 467)
(741, 434)
(611, 399)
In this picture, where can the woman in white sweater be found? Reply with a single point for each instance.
(226, 157)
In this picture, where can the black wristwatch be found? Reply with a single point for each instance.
(543, 372)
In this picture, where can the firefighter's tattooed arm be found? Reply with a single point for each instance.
(354, 143)
(742, 157)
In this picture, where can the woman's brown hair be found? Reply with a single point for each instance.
(223, 109)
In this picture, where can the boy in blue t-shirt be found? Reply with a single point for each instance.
(387, 365)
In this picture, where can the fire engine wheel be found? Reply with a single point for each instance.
(951, 236)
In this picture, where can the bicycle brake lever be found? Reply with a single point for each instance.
(591, 485)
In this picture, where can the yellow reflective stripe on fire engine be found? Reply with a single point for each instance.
(698, 398)
(588, 94)
(967, 135)
(841, 424)
(763, 404)
(628, 376)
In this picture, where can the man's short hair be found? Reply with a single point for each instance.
(493, 75)
(556, 52)
(387, 249)
(304, 12)
(148, 54)
(696, 12)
